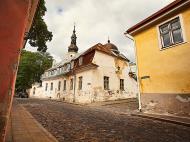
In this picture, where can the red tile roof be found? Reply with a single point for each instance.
(155, 15)
(104, 49)
(88, 56)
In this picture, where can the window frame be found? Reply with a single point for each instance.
(64, 85)
(51, 86)
(161, 47)
(72, 64)
(122, 84)
(46, 87)
(34, 91)
(71, 84)
(80, 60)
(80, 82)
(59, 86)
(106, 83)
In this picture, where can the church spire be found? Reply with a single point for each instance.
(73, 46)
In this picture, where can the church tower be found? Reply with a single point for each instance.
(73, 49)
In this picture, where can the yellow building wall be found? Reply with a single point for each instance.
(169, 69)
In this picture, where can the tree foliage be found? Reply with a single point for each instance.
(32, 66)
(39, 34)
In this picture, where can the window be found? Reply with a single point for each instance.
(68, 67)
(106, 83)
(80, 83)
(65, 83)
(171, 33)
(122, 84)
(51, 86)
(34, 91)
(46, 87)
(72, 64)
(80, 61)
(71, 84)
(59, 85)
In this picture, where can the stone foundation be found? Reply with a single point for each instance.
(174, 104)
(87, 97)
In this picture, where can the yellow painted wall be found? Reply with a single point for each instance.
(169, 69)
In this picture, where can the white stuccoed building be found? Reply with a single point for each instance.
(100, 73)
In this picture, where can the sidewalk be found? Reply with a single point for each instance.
(185, 121)
(24, 128)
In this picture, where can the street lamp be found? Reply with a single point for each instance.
(138, 80)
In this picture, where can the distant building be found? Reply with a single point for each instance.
(163, 55)
(98, 74)
(133, 70)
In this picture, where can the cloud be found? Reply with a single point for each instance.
(95, 21)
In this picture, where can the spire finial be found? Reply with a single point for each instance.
(73, 47)
(74, 27)
(108, 39)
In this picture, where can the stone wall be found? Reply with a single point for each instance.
(175, 104)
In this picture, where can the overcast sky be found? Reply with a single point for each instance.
(95, 21)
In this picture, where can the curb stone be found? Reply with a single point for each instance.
(162, 119)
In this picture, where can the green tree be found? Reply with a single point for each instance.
(32, 66)
(39, 34)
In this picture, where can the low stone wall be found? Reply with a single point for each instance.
(176, 104)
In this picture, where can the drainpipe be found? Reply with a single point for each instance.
(74, 87)
(137, 71)
(74, 81)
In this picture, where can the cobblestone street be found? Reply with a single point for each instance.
(75, 123)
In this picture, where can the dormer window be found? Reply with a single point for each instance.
(72, 64)
(80, 61)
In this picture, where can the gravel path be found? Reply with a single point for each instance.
(75, 123)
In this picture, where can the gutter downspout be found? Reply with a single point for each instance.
(74, 87)
(74, 82)
(137, 70)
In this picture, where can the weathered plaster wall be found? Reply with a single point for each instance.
(174, 104)
(38, 91)
(55, 93)
(84, 95)
(93, 83)
(108, 67)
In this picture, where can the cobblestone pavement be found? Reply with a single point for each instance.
(75, 123)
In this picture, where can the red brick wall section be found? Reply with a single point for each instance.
(13, 21)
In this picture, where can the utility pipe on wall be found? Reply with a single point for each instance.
(138, 79)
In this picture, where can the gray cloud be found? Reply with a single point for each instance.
(95, 21)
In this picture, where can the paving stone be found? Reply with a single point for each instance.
(75, 123)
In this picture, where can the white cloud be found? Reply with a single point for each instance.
(95, 21)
